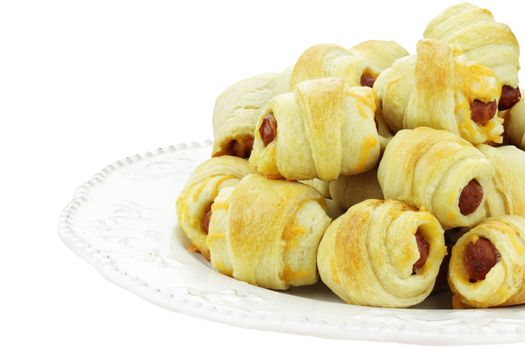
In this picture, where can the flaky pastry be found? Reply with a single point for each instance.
(506, 192)
(483, 40)
(322, 129)
(487, 265)
(382, 253)
(199, 192)
(237, 109)
(441, 89)
(439, 171)
(266, 232)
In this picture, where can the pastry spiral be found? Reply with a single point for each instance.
(487, 266)
(199, 192)
(237, 109)
(358, 66)
(439, 88)
(482, 40)
(266, 232)
(506, 195)
(382, 253)
(347, 191)
(515, 125)
(321, 130)
(439, 171)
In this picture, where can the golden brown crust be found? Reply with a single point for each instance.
(324, 129)
(436, 166)
(481, 38)
(239, 106)
(506, 195)
(380, 53)
(266, 232)
(367, 255)
(200, 191)
(504, 283)
(368, 58)
(436, 88)
(237, 109)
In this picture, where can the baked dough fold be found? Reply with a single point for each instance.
(322, 130)
(482, 39)
(440, 88)
(237, 109)
(267, 232)
(347, 191)
(504, 282)
(515, 125)
(322, 186)
(367, 256)
(358, 66)
(506, 195)
(200, 191)
(430, 169)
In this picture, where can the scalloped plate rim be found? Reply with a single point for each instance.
(146, 292)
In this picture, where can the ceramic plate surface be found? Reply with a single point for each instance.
(123, 222)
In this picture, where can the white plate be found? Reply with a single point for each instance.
(123, 222)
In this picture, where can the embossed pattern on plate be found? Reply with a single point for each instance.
(123, 222)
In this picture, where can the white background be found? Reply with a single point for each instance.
(84, 83)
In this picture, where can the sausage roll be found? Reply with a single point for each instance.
(439, 88)
(382, 253)
(201, 188)
(380, 53)
(487, 264)
(237, 109)
(321, 130)
(506, 195)
(347, 191)
(267, 232)
(439, 171)
(482, 40)
(358, 66)
(515, 125)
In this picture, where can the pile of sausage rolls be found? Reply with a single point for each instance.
(387, 176)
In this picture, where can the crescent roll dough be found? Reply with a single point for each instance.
(382, 253)
(506, 196)
(439, 171)
(237, 109)
(322, 186)
(347, 191)
(266, 232)
(321, 130)
(385, 135)
(380, 53)
(515, 126)
(358, 66)
(487, 266)
(481, 38)
(439, 88)
(201, 188)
